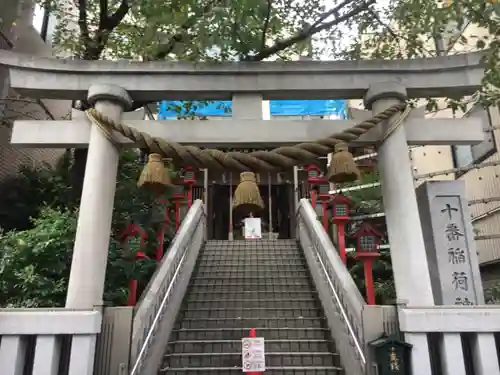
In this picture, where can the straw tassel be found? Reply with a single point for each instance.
(247, 197)
(155, 176)
(342, 167)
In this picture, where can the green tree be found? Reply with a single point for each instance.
(35, 257)
(425, 28)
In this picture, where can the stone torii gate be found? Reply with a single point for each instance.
(113, 86)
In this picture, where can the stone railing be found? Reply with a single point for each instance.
(157, 310)
(349, 318)
(47, 341)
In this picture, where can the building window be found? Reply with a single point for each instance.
(466, 155)
(44, 22)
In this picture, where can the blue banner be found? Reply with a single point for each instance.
(172, 109)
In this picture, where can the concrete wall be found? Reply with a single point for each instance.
(485, 183)
(18, 34)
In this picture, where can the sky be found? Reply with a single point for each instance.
(38, 18)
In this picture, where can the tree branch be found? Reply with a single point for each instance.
(266, 24)
(165, 49)
(117, 17)
(107, 24)
(82, 22)
(103, 12)
(392, 32)
(308, 32)
(334, 11)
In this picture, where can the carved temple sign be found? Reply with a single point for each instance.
(450, 246)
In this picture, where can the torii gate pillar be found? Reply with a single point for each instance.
(408, 255)
(88, 268)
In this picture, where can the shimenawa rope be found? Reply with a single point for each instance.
(279, 158)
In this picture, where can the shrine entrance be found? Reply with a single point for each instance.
(276, 216)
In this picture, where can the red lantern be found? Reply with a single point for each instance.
(189, 180)
(367, 249)
(178, 192)
(314, 174)
(368, 239)
(324, 190)
(340, 205)
(189, 175)
(134, 231)
(314, 177)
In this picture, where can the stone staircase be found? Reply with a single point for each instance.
(240, 285)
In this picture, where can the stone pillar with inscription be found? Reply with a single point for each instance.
(453, 266)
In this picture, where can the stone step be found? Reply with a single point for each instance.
(251, 247)
(251, 273)
(256, 322)
(235, 263)
(297, 370)
(252, 243)
(264, 257)
(234, 346)
(263, 312)
(257, 250)
(251, 287)
(260, 294)
(217, 279)
(273, 359)
(238, 267)
(292, 303)
(237, 333)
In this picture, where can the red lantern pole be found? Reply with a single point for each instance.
(341, 241)
(370, 288)
(177, 198)
(132, 293)
(190, 180)
(177, 214)
(132, 284)
(367, 259)
(340, 213)
(190, 195)
(132, 231)
(368, 241)
(313, 198)
(325, 215)
(160, 237)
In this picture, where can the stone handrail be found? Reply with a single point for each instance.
(339, 295)
(157, 310)
(39, 77)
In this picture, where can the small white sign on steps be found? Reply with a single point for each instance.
(253, 354)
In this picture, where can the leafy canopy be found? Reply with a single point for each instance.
(195, 30)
